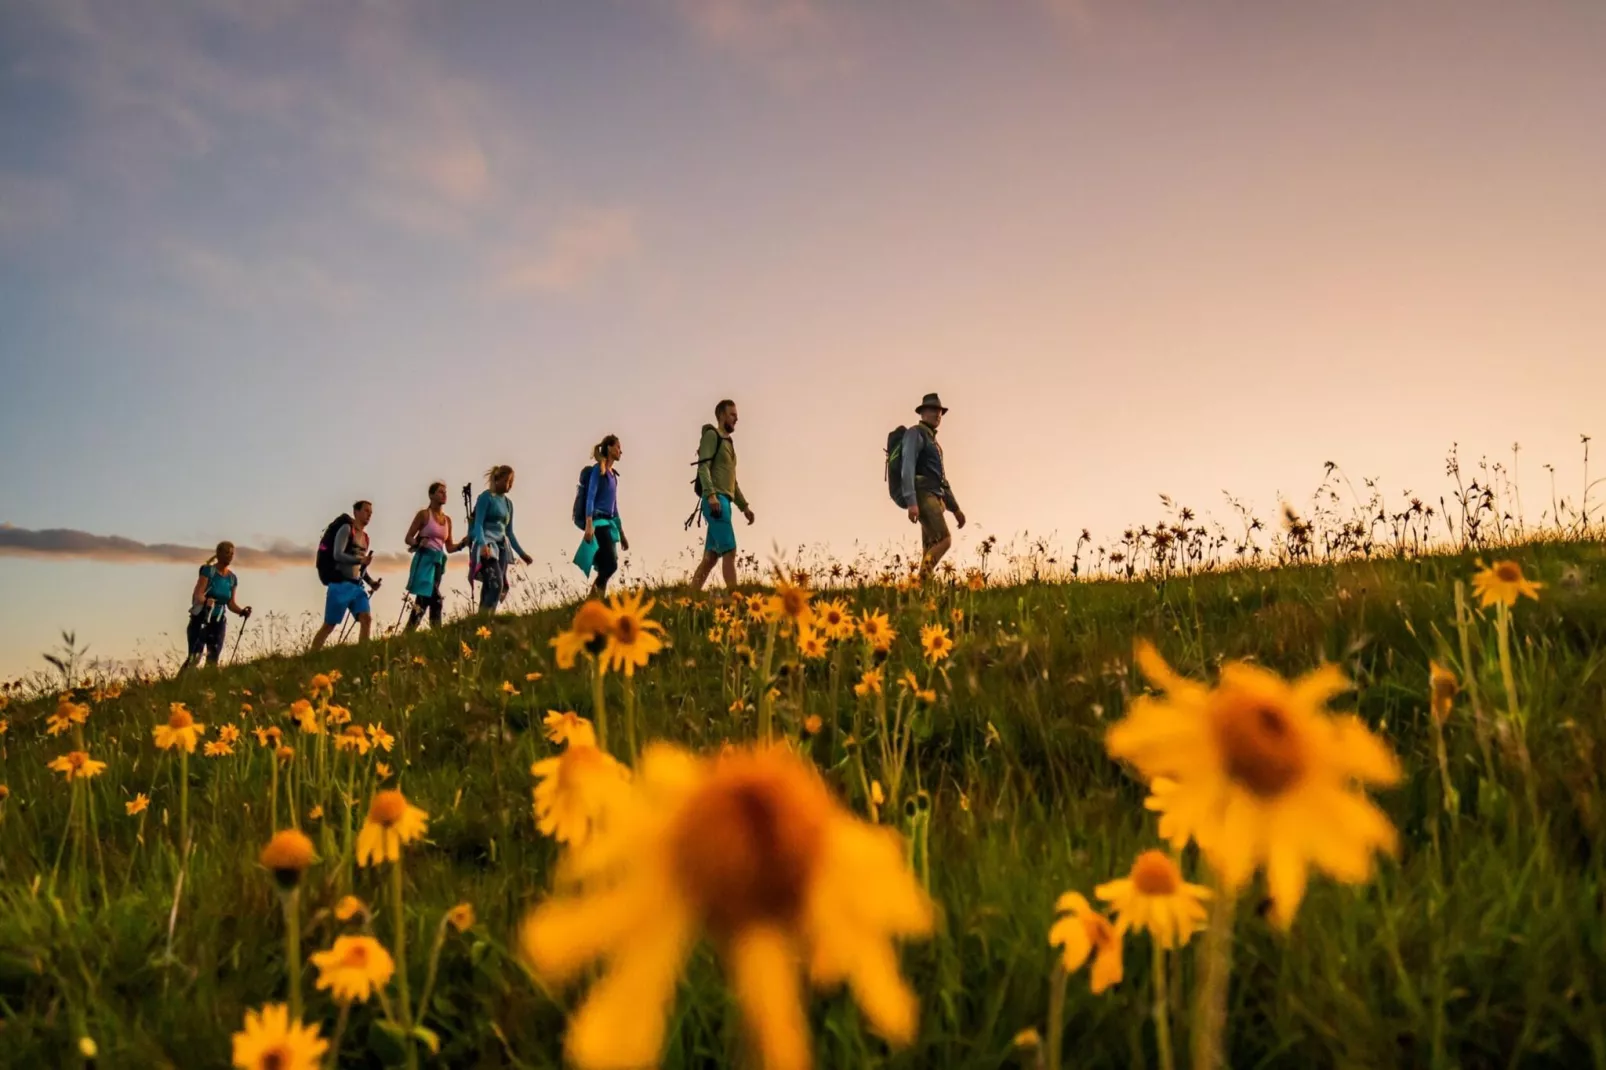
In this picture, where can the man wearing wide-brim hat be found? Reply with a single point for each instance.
(926, 492)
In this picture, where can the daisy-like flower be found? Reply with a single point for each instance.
(810, 643)
(957, 615)
(461, 917)
(349, 907)
(752, 850)
(338, 715)
(1264, 775)
(813, 723)
(1503, 583)
(271, 1041)
(354, 968)
(77, 765)
(756, 605)
(181, 729)
(382, 770)
(228, 734)
(531, 677)
(976, 580)
(483, 632)
(315, 814)
(935, 643)
(381, 738)
(1079, 931)
(217, 749)
(835, 620)
(284, 754)
(269, 736)
(137, 804)
(57, 723)
(353, 737)
(911, 683)
(589, 632)
(464, 649)
(568, 727)
(716, 635)
(321, 684)
(246, 709)
(307, 717)
(1442, 689)
(575, 791)
(869, 683)
(877, 630)
(634, 638)
(287, 857)
(508, 688)
(1154, 898)
(790, 602)
(392, 822)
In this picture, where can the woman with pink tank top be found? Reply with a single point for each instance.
(429, 537)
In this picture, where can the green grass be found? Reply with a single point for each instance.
(1483, 945)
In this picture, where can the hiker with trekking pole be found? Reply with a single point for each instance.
(214, 593)
(719, 494)
(918, 481)
(491, 535)
(343, 559)
(429, 538)
(596, 512)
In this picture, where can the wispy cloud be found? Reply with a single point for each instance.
(793, 41)
(573, 255)
(69, 543)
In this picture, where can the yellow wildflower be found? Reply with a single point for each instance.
(392, 822)
(137, 804)
(181, 729)
(1503, 583)
(1081, 931)
(271, 1041)
(77, 765)
(354, 968)
(1154, 898)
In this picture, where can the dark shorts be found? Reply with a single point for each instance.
(206, 635)
(933, 525)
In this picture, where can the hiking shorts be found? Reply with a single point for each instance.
(721, 538)
(344, 597)
(933, 525)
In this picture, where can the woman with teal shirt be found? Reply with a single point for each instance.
(214, 593)
(491, 535)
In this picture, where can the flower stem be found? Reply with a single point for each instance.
(1210, 1006)
(1162, 1009)
(183, 801)
(273, 790)
(1463, 627)
(599, 702)
(630, 716)
(434, 965)
(291, 901)
(1056, 1013)
(766, 710)
(401, 961)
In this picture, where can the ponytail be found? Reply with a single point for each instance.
(223, 547)
(496, 474)
(599, 452)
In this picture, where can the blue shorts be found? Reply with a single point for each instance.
(344, 597)
(721, 532)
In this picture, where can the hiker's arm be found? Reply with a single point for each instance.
(512, 539)
(707, 450)
(476, 525)
(341, 552)
(416, 526)
(234, 603)
(198, 595)
(591, 494)
(740, 499)
(913, 443)
(451, 547)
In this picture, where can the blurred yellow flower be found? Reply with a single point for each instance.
(1263, 774)
(382, 771)
(268, 737)
(349, 907)
(835, 620)
(315, 814)
(77, 765)
(1080, 931)
(392, 822)
(228, 734)
(218, 749)
(1503, 583)
(877, 630)
(752, 850)
(271, 1041)
(137, 804)
(354, 968)
(181, 729)
(464, 649)
(338, 715)
(508, 688)
(306, 717)
(483, 632)
(531, 677)
(461, 917)
(1153, 898)
(810, 643)
(287, 856)
(812, 724)
(575, 791)
(1442, 688)
(935, 643)
(353, 737)
(716, 635)
(869, 683)
(381, 738)
(321, 684)
(790, 602)
(569, 727)
(589, 632)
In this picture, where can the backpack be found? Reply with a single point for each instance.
(893, 473)
(327, 573)
(697, 479)
(580, 496)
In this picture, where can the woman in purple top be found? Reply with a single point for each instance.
(603, 526)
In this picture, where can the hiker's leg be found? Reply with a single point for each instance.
(416, 614)
(934, 536)
(435, 609)
(934, 554)
(193, 642)
(214, 640)
(322, 636)
(727, 565)
(365, 624)
(606, 562)
(704, 568)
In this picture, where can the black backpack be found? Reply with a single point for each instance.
(580, 496)
(327, 572)
(697, 482)
(893, 473)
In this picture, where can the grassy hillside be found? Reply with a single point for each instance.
(1483, 944)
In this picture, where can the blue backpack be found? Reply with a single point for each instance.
(580, 496)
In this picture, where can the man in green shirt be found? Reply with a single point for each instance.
(722, 495)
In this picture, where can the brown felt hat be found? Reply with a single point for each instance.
(931, 401)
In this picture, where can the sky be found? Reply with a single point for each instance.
(259, 258)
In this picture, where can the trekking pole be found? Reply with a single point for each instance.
(405, 599)
(468, 518)
(234, 655)
(344, 628)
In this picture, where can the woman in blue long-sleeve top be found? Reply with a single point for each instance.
(603, 527)
(491, 534)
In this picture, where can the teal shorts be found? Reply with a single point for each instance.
(721, 532)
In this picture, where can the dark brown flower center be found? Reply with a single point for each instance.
(1508, 572)
(1260, 748)
(1155, 874)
